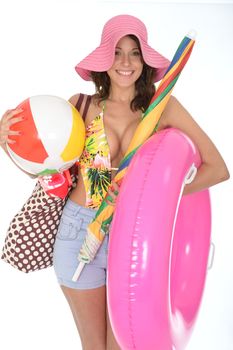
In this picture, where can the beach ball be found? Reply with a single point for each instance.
(52, 135)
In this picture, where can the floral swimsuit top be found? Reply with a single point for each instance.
(95, 162)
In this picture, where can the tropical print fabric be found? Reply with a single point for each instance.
(95, 163)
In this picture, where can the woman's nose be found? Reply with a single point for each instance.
(126, 60)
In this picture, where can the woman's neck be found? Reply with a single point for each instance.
(123, 95)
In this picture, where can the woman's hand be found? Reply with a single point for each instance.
(9, 118)
(112, 193)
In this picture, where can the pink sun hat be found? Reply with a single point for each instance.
(102, 58)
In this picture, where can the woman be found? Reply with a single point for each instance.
(123, 68)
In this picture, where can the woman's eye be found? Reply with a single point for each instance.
(136, 53)
(117, 53)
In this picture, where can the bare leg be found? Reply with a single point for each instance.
(89, 310)
(111, 340)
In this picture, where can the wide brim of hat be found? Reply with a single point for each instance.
(102, 58)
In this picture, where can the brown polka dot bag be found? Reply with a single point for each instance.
(31, 235)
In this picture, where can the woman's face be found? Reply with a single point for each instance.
(127, 66)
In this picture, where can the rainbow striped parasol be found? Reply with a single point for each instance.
(100, 224)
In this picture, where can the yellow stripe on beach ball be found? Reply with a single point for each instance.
(76, 140)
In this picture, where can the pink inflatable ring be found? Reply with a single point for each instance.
(159, 247)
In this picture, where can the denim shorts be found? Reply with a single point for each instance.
(70, 236)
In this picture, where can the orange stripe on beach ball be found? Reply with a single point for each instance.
(28, 145)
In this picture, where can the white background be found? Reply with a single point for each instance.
(41, 41)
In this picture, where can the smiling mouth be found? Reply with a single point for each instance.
(125, 73)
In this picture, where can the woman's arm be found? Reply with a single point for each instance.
(213, 169)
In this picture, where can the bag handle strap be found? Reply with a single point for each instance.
(88, 101)
(87, 104)
(79, 102)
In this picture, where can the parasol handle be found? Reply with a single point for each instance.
(78, 271)
(192, 34)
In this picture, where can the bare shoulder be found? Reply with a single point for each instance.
(74, 99)
(175, 115)
(92, 107)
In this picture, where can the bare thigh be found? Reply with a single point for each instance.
(89, 311)
(111, 342)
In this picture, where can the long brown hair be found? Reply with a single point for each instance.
(144, 86)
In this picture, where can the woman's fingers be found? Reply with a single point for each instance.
(9, 118)
(5, 133)
(9, 141)
(11, 113)
(113, 192)
(15, 120)
(115, 186)
(110, 203)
